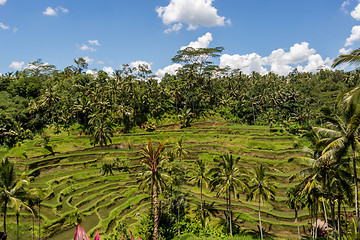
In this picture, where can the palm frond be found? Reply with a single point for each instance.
(352, 58)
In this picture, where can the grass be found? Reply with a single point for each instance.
(72, 174)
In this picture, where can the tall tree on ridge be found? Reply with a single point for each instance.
(261, 188)
(152, 177)
(228, 176)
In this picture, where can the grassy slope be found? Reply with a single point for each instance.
(72, 174)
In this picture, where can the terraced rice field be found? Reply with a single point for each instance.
(76, 187)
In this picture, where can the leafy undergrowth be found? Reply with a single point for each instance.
(77, 191)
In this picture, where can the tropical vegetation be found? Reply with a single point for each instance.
(205, 152)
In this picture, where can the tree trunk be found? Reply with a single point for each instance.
(178, 213)
(5, 212)
(346, 220)
(33, 228)
(261, 233)
(333, 219)
(227, 207)
(230, 215)
(17, 226)
(356, 187)
(326, 220)
(201, 201)
(339, 218)
(156, 211)
(297, 222)
(101, 157)
(39, 217)
(316, 219)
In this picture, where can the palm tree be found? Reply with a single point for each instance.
(153, 177)
(341, 135)
(201, 178)
(228, 176)
(12, 192)
(18, 205)
(295, 201)
(327, 178)
(36, 195)
(261, 188)
(180, 150)
(352, 58)
(186, 116)
(102, 133)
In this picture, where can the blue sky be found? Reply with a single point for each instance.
(258, 35)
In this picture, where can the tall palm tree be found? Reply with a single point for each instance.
(102, 133)
(228, 176)
(12, 192)
(327, 176)
(36, 195)
(17, 205)
(342, 134)
(153, 177)
(201, 178)
(261, 188)
(295, 201)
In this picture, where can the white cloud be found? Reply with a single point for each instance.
(280, 61)
(88, 60)
(91, 72)
(3, 26)
(49, 11)
(191, 12)
(87, 48)
(15, 30)
(355, 36)
(139, 62)
(315, 62)
(202, 42)
(100, 62)
(344, 5)
(94, 42)
(2, 2)
(298, 53)
(108, 70)
(34, 66)
(17, 65)
(356, 12)
(171, 69)
(174, 28)
(247, 63)
(344, 51)
(64, 10)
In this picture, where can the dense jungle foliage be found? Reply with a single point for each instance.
(41, 95)
(321, 106)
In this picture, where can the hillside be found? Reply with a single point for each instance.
(72, 176)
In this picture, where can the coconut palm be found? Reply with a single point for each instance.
(17, 205)
(342, 134)
(228, 177)
(328, 175)
(153, 177)
(102, 133)
(201, 178)
(180, 150)
(295, 201)
(261, 188)
(36, 195)
(12, 192)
